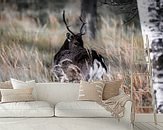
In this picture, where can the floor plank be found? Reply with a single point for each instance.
(160, 124)
(157, 126)
(151, 126)
(136, 128)
(141, 126)
(148, 126)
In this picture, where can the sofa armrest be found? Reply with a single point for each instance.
(129, 113)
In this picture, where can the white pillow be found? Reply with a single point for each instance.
(17, 84)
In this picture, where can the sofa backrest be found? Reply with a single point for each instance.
(57, 92)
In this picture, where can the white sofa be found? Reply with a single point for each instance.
(63, 113)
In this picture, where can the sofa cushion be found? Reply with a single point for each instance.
(26, 109)
(80, 109)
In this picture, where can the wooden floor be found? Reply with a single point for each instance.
(148, 126)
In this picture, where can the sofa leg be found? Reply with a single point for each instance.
(132, 125)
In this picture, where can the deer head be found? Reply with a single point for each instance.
(74, 40)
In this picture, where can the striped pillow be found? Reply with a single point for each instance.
(16, 95)
(91, 91)
(5, 85)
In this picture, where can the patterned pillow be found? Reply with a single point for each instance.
(5, 85)
(18, 84)
(91, 91)
(16, 95)
(111, 89)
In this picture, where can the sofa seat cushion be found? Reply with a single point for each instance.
(80, 109)
(26, 109)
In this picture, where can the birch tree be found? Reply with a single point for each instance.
(151, 18)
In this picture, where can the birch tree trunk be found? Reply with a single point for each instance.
(151, 18)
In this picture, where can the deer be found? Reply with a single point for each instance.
(73, 62)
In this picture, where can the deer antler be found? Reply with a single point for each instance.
(81, 28)
(67, 26)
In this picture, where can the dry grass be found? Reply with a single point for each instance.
(26, 52)
(23, 63)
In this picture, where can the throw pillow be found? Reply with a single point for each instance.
(5, 85)
(17, 84)
(111, 89)
(91, 91)
(16, 95)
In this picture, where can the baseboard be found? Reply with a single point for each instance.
(148, 117)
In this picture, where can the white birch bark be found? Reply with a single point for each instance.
(151, 18)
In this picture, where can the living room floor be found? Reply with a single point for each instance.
(73, 124)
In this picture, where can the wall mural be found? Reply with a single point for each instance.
(69, 40)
